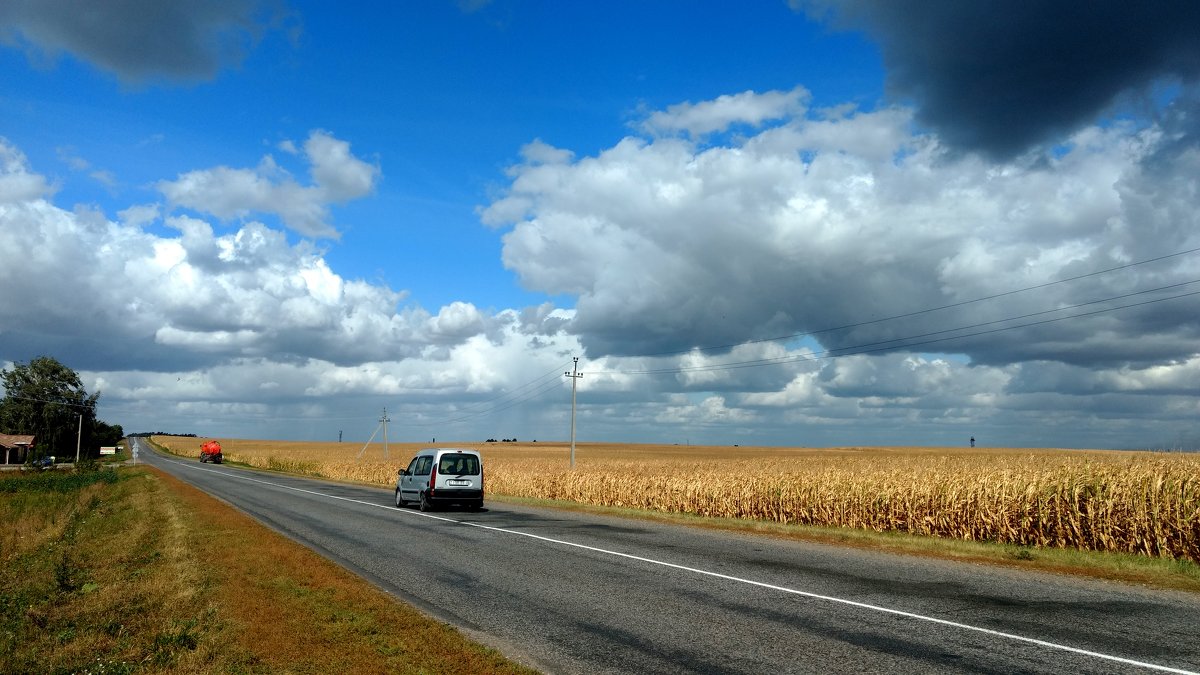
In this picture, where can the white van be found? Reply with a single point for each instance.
(442, 476)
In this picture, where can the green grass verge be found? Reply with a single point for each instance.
(132, 571)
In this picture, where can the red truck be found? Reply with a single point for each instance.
(210, 452)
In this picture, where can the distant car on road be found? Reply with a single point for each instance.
(441, 476)
(41, 463)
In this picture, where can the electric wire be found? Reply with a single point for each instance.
(514, 398)
(549, 386)
(865, 348)
(468, 412)
(471, 412)
(869, 348)
(511, 392)
(89, 406)
(919, 312)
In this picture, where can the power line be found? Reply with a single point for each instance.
(919, 312)
(513, 392)
(1025, 325)
(470, 410)
(91, 405)
(875, 346)
(1043, 313)
(528, 397)
(541, 384)
(514, 399)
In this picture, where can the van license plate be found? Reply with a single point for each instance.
(458, 483)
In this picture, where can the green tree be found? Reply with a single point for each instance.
(45, 399)
(106, 434)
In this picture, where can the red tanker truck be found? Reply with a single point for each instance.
(210, 452)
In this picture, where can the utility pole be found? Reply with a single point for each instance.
(382, 424)
(78, 440)
(384, 420)
(574, 375)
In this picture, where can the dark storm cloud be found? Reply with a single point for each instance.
(804, 229)
(98, 352)
(137, 39)
(1001, 77)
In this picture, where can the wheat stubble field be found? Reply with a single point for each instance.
(1130, 502)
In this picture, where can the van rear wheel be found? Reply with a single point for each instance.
(425, 504)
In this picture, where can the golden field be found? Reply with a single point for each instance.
(1133, 502)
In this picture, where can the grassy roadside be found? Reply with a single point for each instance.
(133, 571)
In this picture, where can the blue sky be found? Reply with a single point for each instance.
(441, 98)
(274, 219)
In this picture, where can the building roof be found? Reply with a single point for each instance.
(10, 441)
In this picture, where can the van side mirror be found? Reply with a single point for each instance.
(402, 472)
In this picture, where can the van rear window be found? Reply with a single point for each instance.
(423, 465)
(459, 465)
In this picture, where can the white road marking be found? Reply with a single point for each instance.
(718, 575)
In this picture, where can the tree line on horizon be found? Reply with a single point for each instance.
(148, 434)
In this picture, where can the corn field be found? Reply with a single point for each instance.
(1132, 502)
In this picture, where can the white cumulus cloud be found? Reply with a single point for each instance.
(748, 108)
(229, 193)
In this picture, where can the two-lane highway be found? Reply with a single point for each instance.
(578, 593)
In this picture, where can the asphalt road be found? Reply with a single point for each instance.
(576, 593)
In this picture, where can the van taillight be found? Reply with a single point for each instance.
(432, 479)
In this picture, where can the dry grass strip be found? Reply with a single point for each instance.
(298, 612)
(147, 574)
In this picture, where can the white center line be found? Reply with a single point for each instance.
(718, 575)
